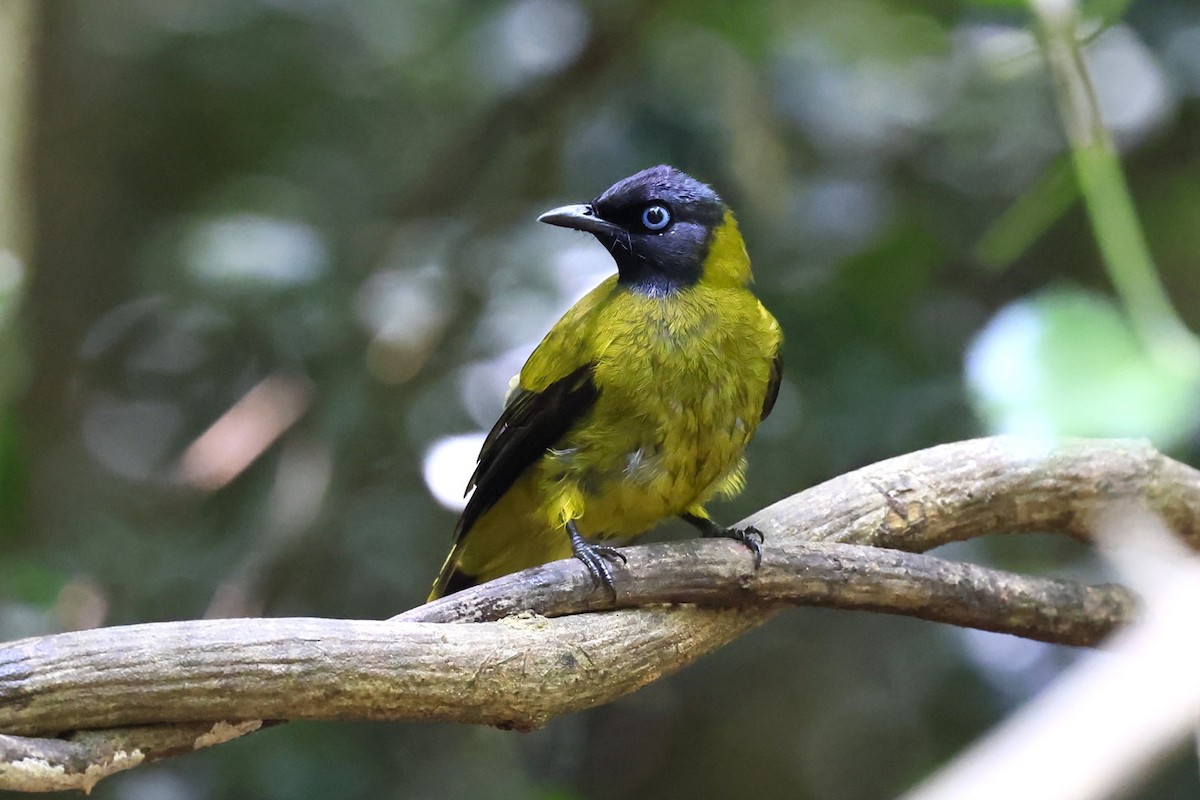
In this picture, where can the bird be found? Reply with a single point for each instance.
(638, 404)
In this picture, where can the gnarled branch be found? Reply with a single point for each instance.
(518, 671)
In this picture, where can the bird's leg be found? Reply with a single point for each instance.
(750, 536)
(595, 557)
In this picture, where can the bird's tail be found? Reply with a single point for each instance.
(450, 577)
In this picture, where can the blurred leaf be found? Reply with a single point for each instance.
(29, 582)
(1067, 363)
(1119, 234)
(1107, 198)
(1029, 217)
(1107, 11)
(882, 281)
(748, 26)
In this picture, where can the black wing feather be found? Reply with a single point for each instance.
(773, 382)
(529, 426)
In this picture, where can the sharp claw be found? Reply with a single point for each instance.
(601, 574)
(596, 557)
(611, 553)
(749, 536)
(597, 569)
(756, 548)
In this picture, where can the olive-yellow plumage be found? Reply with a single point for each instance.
(639, 402)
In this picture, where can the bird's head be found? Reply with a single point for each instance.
(666, 231)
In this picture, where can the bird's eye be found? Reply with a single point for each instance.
(656, 217)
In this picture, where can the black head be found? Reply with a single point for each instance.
(658, 225)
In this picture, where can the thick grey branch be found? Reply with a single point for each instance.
(720, 573)
(521, 671)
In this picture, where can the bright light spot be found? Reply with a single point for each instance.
(1018, 667)
(405, 309)
(448, 465)
(144, 784)
(1131, 88)
(10, 272)
(403, 305)
(866, 107)
(1055, 11)
(531, 38)
(301, 483)
(580, 267)
(10, 282)
(253, 249)
(543, 36)
(519, 318)
(1000, 653)
(1005, 51)
(1002, 369)
(519, 314)
(1068, 363)
(484, 386)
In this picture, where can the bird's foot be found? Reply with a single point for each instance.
(749, 536)
(596, 558)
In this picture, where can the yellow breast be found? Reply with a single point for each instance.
(682, 380)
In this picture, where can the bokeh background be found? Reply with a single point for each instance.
(266, 267)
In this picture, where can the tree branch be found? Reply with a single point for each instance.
(521, 671)
(721, 574)
(79, 761)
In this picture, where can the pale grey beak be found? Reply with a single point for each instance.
(581, 218)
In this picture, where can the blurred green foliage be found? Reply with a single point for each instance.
(1068, 363)
(344, 194)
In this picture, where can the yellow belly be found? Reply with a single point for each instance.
(681, 390)
(626, 469)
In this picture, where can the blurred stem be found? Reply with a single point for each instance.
(16, 36)
(1029, 217)
(1106, 194)
(16, 42)
(17, 29)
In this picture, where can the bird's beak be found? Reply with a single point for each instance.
(581, 218)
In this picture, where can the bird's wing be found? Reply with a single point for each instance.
(555, 390)
(530, 425)
(773, 381)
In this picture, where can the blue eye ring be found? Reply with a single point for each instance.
(656, 217)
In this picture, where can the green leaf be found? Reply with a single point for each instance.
(1029, 217)
(1107, 11)
(882, 282)
(1067, 363)
(29, 582)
